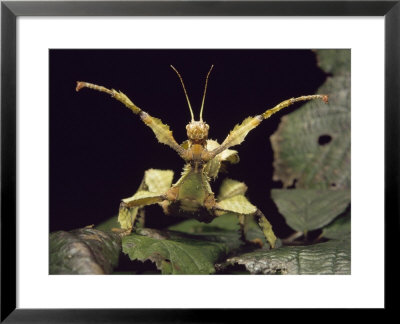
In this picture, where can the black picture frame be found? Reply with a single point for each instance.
(10, 10)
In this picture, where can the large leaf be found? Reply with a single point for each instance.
(83, 251)
(312, 145)
(175, 253)
(226, 228)
(227, 222)
(190, 247)
(309, 209)
(340, 229)
(332, 257)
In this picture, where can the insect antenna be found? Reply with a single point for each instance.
(204, 94)
(184, 89)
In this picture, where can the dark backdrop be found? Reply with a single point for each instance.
(99, 149)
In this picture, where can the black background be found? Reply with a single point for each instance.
(99, 149)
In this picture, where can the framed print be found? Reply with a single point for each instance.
(70, 153)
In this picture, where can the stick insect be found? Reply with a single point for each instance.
(191, 196)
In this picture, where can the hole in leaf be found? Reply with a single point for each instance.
(324, 139)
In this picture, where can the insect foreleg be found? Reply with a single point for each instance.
(239, 132)
(118, 95)
(162, 131)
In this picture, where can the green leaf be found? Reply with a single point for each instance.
(175, 253)
(83, 251)
(310, 209)
(340, 229)
(109, 224)
(336, 62)
(226, 228)
(312, 144)
(332, 257)
(190, 247)
(226, 222)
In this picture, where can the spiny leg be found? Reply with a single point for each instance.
(229, 189)
(240, 131)
(261, 221)
(162, 131)
(266, 227)
(243, 208)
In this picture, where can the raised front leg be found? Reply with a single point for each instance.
(240, 131)
(162, 131)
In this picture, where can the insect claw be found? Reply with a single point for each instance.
(325, 98)
(79, 85)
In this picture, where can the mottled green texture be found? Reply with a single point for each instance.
(310, 209)
(175, 253)
(298, 156)
(190, 247)
(83, 251)
(332, 257)
(340, 229)
(193, 189)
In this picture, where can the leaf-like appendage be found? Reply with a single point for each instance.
(127, 216)
(142, 198)
(213, 166)
(230, 156)
(83, 251)
(310, 209)
(332, 257)
(312, 145)
(158, 181)
(237, 204)
(230, 188)
(240, 131)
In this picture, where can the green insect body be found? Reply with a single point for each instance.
(191, 196)
(193, 190)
